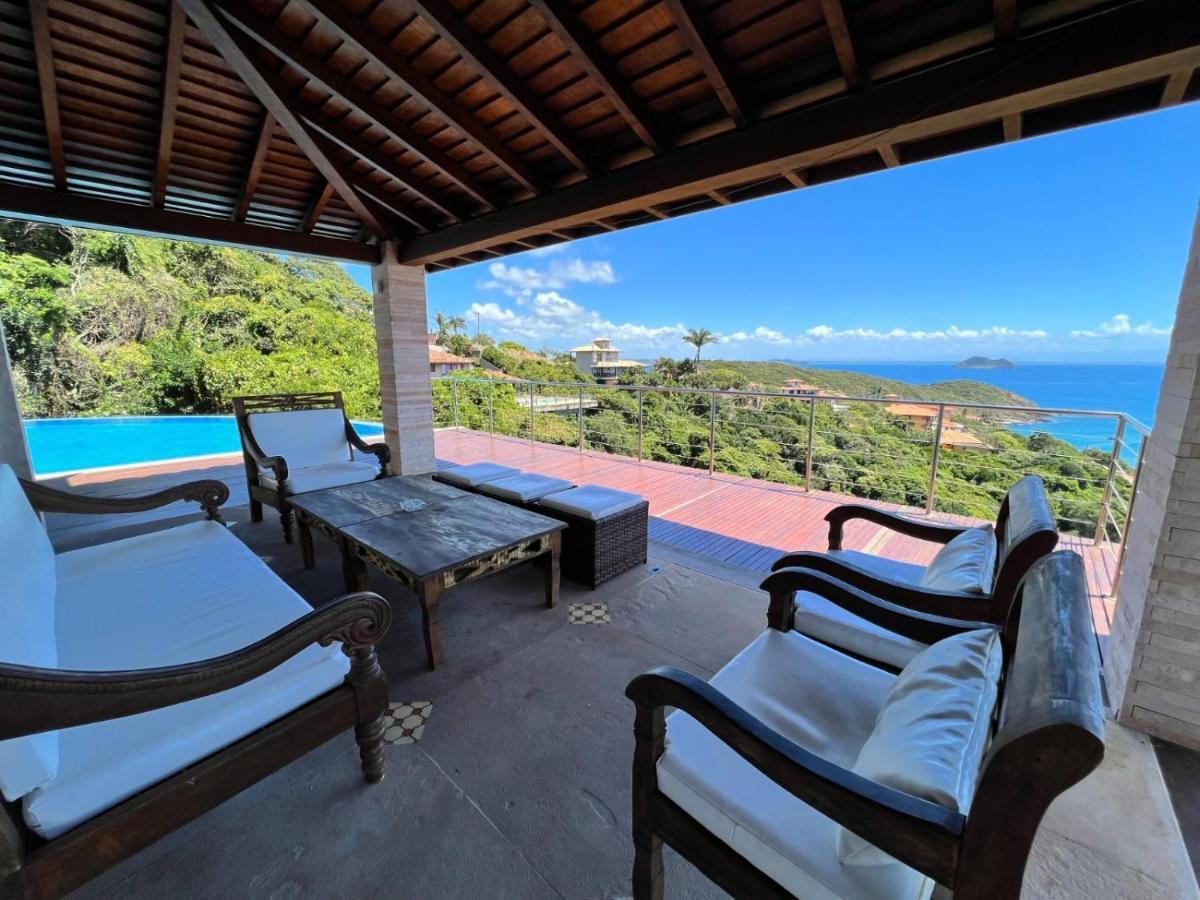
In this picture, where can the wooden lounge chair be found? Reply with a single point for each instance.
(295, 443)
(801, 771)
(1024, 532)
(145, 681)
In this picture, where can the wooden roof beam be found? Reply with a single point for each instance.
(844, 45)
(173, 56)
(476, 53)
(702, 42)
(1005, 18)
(63, 208)
(256, 163)
(351, 29)
(317, 70)
(1175, 88)
(888, 154)
(583, 47)
(1091, 57)
(796, 178)
(39, 21)
(320, 201)
(269, 88)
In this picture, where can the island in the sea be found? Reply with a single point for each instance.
(983, 362)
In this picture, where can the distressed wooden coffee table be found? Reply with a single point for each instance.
(428, 536)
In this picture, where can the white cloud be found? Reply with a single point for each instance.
(549, 317)
(522, 281)
(761, 334)
(953, 333)
(1120, 326)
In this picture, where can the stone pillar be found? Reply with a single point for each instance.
(402, 342)
(13, 449)
(1152, 668)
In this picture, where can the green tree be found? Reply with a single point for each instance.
(699, 338)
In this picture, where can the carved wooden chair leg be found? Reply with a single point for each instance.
(256, 511)
(287, 519)
(371, 689)
(370, 749)
(649, 729)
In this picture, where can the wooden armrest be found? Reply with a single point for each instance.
(36, 700)
(209, 494)
(926, 531)
(276, 464)
(918, 626)
(949, 604)
(915, 831)
(382, 452)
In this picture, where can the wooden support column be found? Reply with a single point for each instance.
(1152, 666)
(402, 342)
(13, 449)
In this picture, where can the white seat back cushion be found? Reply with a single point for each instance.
(967, 563)
(932, 730)
(303, 437)
(26, 628)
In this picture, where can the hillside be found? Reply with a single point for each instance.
(772, 375)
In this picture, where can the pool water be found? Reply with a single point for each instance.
(62, 445)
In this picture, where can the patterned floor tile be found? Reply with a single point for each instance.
(589, 614)
(404, 723)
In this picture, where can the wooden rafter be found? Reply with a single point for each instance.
(1091, 57)
(238, 53)
(320, 201)
(796, 178)
(250, 185)
(1175, 87)
(476, 52)
(1012, 127)
(39, 20)
(172, 65)
(844, 44)
(318, 71)
(890, 157)
(1004, 17)
(62, 208)
(346, 24)
(584, 49)
(703, 44)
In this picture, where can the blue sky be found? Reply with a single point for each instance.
(1068, 247)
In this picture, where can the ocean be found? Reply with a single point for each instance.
(1114, 387)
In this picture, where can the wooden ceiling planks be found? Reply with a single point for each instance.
(466, 129)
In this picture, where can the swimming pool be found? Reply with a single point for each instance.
(62, 445)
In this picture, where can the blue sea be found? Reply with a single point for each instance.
(1113, 387)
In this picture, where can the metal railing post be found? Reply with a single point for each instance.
(532, 424)
(1102, 515)
(581, 418)
(1133, 494)
(712, 432)
(491, 407)
(937, 458)
(808, 454)
(641, 395)
(454, 399)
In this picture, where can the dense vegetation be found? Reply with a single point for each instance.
(103, 324)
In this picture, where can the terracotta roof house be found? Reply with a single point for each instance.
(919, 415)
(443, 362)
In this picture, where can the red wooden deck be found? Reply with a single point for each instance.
(740, 521)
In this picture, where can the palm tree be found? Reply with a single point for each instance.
(442, 321)
(699, 337)
(456, 322)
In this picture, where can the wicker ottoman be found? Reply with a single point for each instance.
(606, 533)
(469, 477)
(524, 489)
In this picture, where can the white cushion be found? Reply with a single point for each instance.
(591, 501)
(476, 474)
(932, 730)
(882, 566)
(827, 622)
(303, 437)
(27, 630)
(526, 487)
(181, 595)
(967, 563)
(314, 478)
(822, 700)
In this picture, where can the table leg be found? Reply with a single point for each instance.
(354, 570)
(550, 566)
(429, 593)
(306, 543)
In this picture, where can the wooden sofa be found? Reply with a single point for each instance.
(145, 681)
(1023, 533)
(795, 758)
(294, 443)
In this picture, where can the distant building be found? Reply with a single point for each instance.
(443, 362)
(602, 361)
(954, 439)
(797, 388)
(919, 416)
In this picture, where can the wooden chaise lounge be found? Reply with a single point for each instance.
(147, 680)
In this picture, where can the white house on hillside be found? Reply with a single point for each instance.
(602, 360)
